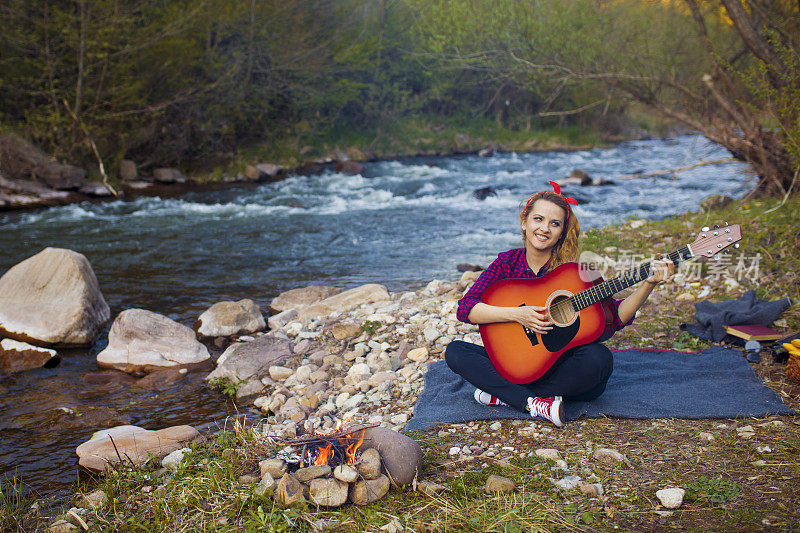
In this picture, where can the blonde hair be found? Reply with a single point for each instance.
(567, 248)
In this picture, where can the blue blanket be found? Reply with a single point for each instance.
(714, 383)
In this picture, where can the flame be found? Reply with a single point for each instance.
(324, 454)
(351, 450)
(334, 429)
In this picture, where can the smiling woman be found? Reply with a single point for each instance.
(550, 233)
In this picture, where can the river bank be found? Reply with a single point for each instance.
(736, 473)
(297, 152)
(400, 224)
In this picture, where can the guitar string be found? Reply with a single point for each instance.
(599, 292)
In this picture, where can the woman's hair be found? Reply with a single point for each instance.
(567, 248)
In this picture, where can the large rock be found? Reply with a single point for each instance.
(33, 191)
(266, 486)
(671, 498)
(401, 455)
(281, 319)
(345, 331)
(20, 159)
(368, 490)
(168, 175)
(349, 167)
(344, 301)
(161, 379)
(274, 467)
(498, 484)
(578, 177)
(369, 466)
(262, 171)
(297, 298)
(328, 492)
(17, 356)
(95, 189)
(224, 319)
(245, 360)
(62, 177)
(312, 472)
(127, 170)
(289, 490)
(144, 341)
(133, 445)
(52, 298)
(715, 202)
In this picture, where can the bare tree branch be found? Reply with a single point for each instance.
(94, 149)
(677, 169)
(571, 111)
(757, 44)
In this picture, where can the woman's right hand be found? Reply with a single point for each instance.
(533, 317)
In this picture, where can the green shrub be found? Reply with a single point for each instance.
(226, 386)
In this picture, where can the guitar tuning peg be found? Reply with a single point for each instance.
(704, 228)
(727, 224)
(716, 226)
(736, 245)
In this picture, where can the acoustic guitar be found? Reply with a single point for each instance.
(578, 302)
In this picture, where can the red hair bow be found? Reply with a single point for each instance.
(557, 190)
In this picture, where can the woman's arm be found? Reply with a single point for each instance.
(531, 316)
(662, 269)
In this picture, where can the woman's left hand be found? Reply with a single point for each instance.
(662, 270)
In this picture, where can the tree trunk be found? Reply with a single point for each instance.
(736, 126)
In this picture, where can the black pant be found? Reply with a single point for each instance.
(580, 375)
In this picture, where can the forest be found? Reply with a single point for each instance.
(187, 83)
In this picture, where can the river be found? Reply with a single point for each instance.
(401, 223)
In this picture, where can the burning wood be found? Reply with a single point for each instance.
(333, 449)
(332, 468)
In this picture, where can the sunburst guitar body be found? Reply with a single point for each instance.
(579, 304)
(519, 354)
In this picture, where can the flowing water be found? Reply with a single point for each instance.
(401, 223)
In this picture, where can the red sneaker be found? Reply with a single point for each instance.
(551, 408)
(487, 399)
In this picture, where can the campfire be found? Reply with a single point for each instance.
(330, 468)
(338, 447)
(358, 463)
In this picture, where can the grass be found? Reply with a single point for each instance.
(712, 490)
(226, 386)
(16, 513)
(769, 241)
(732, 482)
(404, 136)
(370, 327)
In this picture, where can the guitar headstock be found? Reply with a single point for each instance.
(711, 241)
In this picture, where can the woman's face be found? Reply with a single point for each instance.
(543, 226)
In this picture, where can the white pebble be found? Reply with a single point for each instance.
(671, 497)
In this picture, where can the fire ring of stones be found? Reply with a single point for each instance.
(359, 464)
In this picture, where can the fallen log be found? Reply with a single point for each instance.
(678, 169)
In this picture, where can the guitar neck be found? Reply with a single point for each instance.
(612, 286)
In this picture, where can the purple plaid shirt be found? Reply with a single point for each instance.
(510, 264)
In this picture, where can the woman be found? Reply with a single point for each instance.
(550, 234)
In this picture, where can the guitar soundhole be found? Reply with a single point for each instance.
(561, 310)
